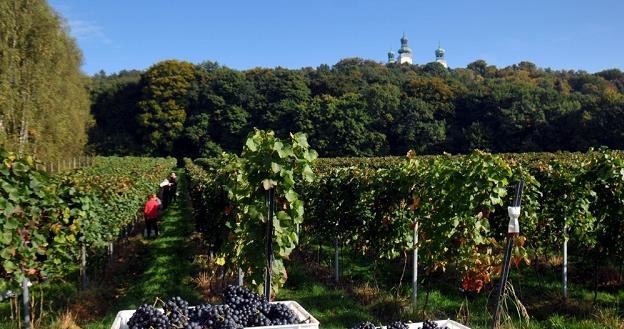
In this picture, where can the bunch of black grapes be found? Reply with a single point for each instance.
(255, 309)
(280, 314)
(397, 325)
(241, 308)
(251, 306)
(177, 310)
(146, 316)
(430, 324)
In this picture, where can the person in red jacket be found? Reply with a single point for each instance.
(150, 213)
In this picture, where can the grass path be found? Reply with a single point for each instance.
(333, 307)
(162, 267)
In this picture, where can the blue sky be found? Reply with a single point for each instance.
(572, 34)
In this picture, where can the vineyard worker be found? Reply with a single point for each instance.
(163, 193)
(173, 188)
(150, 213)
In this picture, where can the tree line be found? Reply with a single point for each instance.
(354, 108)
(357, 108)
(44, 98)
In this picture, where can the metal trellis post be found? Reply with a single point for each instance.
(512, 232)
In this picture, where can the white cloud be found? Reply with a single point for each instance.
(88, 31)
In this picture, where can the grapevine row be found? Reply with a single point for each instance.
(48, 220)
(460, 205)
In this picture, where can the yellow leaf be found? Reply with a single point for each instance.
(220, 261)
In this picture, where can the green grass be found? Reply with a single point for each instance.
(332, 307)
(541, 295)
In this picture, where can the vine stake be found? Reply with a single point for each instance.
(270, 200)
(512, 231)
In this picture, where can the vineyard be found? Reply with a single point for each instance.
(347, 224)
(371, 206)
(52, 224)
(368, 209)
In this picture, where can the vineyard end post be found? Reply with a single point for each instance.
(512, 231)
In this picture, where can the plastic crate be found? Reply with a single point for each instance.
(309, 322)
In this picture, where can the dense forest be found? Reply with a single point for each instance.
(357, 108)
(44, 98)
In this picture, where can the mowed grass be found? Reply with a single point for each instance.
(368, 292)
(332, 307)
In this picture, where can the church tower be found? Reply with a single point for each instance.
(391, 59)
(439, 53)
(405, 53)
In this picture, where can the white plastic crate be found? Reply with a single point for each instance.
(450, 324)
(309, 321)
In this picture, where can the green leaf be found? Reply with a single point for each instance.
(495, 200)
(275, 167)
(11, 224)
(19, 168)
(285, 152)
(297, 206)
(277, 146)
(282, 216)
(251, 145)
(9, 266)
(310, 155)
(288, 179)
(291, 195)
(301, 139)
(6, 237)
(308, 174)
(59, 239)
(7, 253)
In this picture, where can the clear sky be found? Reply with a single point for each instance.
(241, 34)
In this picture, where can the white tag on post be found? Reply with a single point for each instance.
(514, 225)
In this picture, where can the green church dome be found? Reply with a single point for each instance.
(404, 47)
(439, 52)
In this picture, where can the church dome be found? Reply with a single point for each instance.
(439, 52)
(404, 47)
